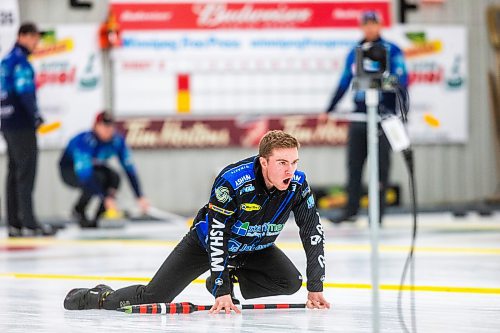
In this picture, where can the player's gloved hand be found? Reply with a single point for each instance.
(315, 300)
(38, 121)
(143, 204)
(224, 303)
(110, 203)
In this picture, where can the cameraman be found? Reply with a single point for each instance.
(357, 140)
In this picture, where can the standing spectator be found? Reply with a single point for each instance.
(357, 141)
(20, 118)
(83, 165)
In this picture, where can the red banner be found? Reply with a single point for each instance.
(245, 15)
(228, 132)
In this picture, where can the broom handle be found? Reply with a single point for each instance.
(185, 307)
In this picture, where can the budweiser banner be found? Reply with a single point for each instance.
(168, 15)
(223, 132)
(229, 57)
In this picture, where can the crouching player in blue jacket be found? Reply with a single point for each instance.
(83, 165)
(233, 236)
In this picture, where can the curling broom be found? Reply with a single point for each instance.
(186, 307)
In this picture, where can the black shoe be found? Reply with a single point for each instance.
(15, 232)
(97, 216)
(79, 216)
(43, 230)
(88, 224)
(86, 299)
(345, 217)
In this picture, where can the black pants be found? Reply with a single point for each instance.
(106, 177)
(268, 272)
(357, 153)
(22, 152)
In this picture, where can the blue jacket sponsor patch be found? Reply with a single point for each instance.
(299, 177)
(240, 175)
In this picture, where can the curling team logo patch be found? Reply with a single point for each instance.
(222, 194)
(249, 207)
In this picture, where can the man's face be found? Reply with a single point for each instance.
(104, 131)
(29, 41)
(371, 30)
(279, 167)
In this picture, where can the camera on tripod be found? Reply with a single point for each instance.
(373, 68)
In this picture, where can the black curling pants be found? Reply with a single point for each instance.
(268, 272)
(106, 177)
(357, 152)
(22, 152)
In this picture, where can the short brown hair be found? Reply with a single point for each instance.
(28, 28)
(276, 139)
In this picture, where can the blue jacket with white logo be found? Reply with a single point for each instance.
(243, 216)
(85, 151)
(387, 99)
(18, 107)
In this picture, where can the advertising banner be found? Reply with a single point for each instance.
(436, 57)
(68, 69)
(163, 15)
(195, 132)
(244, 65)
(9, 23)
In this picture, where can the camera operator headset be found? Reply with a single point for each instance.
(357, 140)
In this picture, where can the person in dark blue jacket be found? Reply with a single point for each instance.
(20, 118)
(357, 140)
(83, 165)
(233, 236)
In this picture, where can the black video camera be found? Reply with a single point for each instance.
(372, 68)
